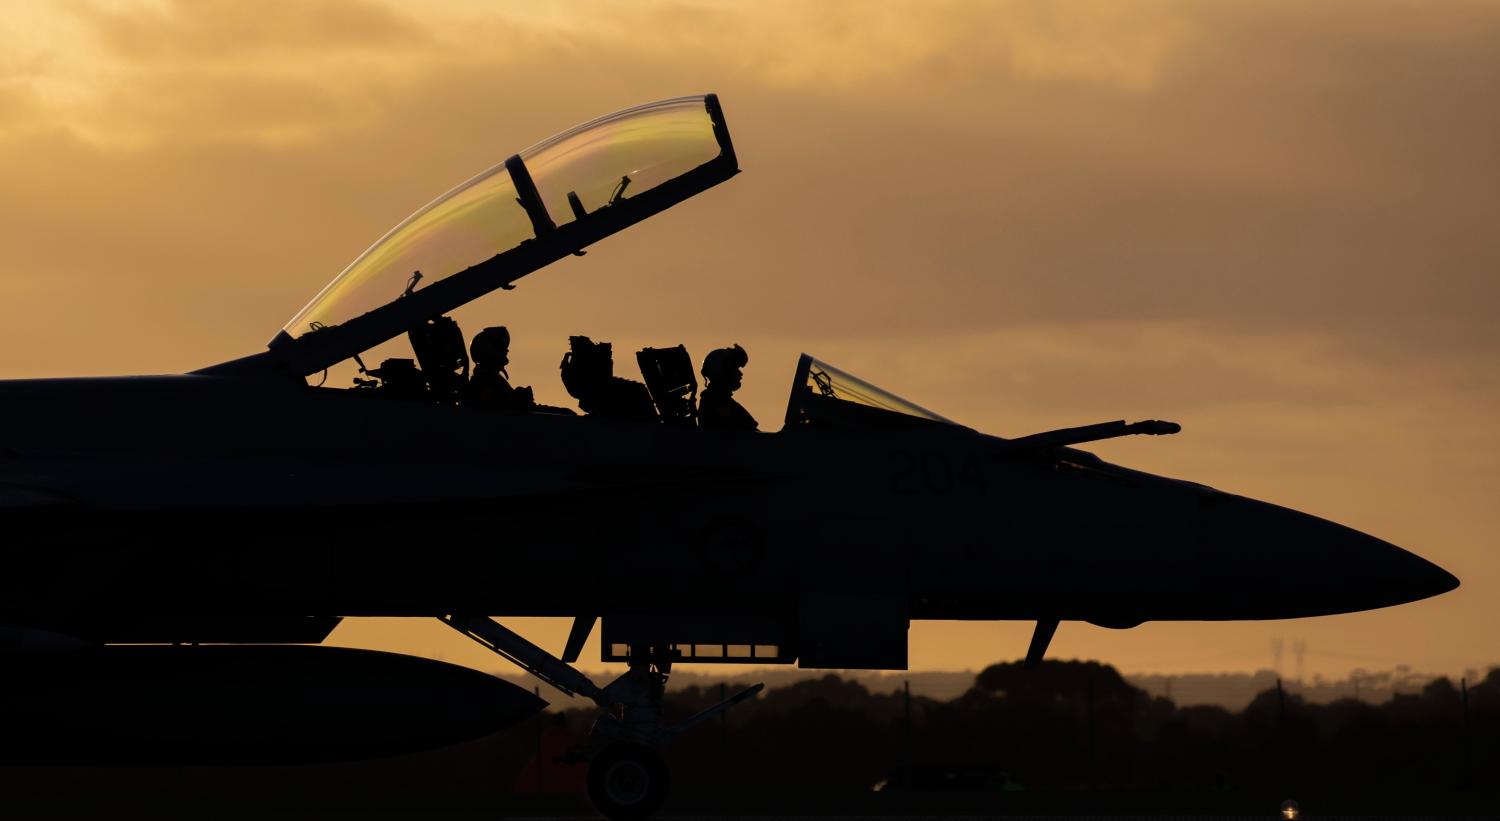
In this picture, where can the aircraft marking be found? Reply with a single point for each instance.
(936, 473)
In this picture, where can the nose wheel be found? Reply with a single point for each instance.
(628, 781)
(627, 777)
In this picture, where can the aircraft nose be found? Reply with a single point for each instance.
(1304, 565)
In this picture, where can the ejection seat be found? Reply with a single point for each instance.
(588, 374)
(439, 346)
(669, 377)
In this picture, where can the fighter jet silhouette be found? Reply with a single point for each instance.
(167, 537)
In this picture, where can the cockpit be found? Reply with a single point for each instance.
(549, 201)
(823, 396)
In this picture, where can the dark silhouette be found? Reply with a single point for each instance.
(588, 372)
(225, 704)
(396, 378)
(439, 346)
(722, 373)
(237, 503)
(669, 376)
(1016, 743)
(489, 386)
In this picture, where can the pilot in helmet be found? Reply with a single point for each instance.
(722, 373)
(588, 372)
(489, 384)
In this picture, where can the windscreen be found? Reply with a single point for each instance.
(825, 393)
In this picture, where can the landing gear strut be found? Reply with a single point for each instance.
(628, 777)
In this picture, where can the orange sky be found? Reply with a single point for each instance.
(1273, 222)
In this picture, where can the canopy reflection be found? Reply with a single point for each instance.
(581, 171)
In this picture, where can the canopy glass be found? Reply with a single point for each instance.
(598, 163)
(615, 157)
(824, 394)
(467, 225)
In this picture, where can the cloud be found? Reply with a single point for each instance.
(134, 74)
(1243, 166)
(844, 45)
(16, 105)
(357, 49)
(219, 30)
(1271, 221)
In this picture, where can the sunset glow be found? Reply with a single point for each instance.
(1272, 222)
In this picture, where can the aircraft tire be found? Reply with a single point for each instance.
(628, 781)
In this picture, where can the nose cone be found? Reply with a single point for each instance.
(1280, 563)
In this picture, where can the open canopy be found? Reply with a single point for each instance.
(596, 164)
(540, 205)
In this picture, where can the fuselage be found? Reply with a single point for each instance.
(136, 504)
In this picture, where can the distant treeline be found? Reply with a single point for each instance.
(1233, 691)
(1066, 737)
(1080, 728)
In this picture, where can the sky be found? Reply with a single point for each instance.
(1272, 222)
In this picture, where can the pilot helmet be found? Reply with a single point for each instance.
(587, 366)
(490, 344)
(722, 361)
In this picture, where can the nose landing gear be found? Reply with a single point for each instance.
(628, 777)
(628, 781)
